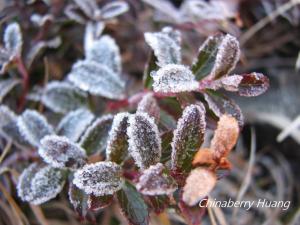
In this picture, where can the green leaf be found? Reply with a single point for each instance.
(150, 66)
(78, 199)
(133, 205)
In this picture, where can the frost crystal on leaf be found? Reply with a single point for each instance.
(93, 31)
(38, 184)
(172, 33)
(198, 185)
(174, 79)
(33, 127)
(149, 105)
(13, 39)
(155, 181)
(75, 123)
(114, 9)
(101, 178)
(117, 144)
(60, 152)
(144, 140)
(98, 79)
(188, 136)
(105, 51)
(165, 47)
(62, 97)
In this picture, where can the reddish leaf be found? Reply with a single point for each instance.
(99, 202)
(253, 84)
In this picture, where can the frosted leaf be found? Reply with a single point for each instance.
(155, 181)
(60, 152)
(174, 79)
(117, 144)
(101, 178)
(41, 20)
(62, 97)
(6, 86)
(172, 33)
(114, 9)
(105, 51)
(149, 105)
(74, 124)
(72, 13)
(166, 49)
(96, 203)
(13, 39)
(227, 57)
(231, 83)
(144, 140)
(198, 185)
(38, 184)
(188, 136)
(5, 57)
(98, 79)
(33, 127)
(95, 137)
(87, 6)
(78, 198)
(93, 31)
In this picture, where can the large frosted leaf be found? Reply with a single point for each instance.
(101, 178)
(6, 86)
(117, 144)
(98, 79)
(95, 138)
(174, 79)
(60, 152)
(144, 140)
(149, 105)
(105, 51)
(33, 127)
(114, 9)
(13, 39)
(166, 49)
(62, 97)
(38, 184)
(188, 137)
(75, 123)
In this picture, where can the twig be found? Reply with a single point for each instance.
(24, 73)
(6, 150)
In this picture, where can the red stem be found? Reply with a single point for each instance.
(25, 82)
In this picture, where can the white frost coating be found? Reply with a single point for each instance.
(231, 83)
(172, 33)
(75, 123)
(60, 152)
(6, 116)
(62, 97)
(92, 33)
(87, 6)
(105, 51)
(101, 178)
(6, 86)
(144, 140)
(154, 181)
(98, 79)
(165, 48)
(13, 38)
(41, 20)
(149, 105)
(33, 127)
(114, 9)
(174, 79)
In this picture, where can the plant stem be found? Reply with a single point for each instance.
(25, 82)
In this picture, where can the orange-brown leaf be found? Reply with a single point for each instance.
(204, 157)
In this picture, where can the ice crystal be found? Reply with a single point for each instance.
(114, 9)
(117, 144)
(101, 178)
(144, 140)
(13, 39)
(98, 79)
(165, 47)
(75, 123)
(198, 185)
(60, 152)
(174, 79)
(149, 105)
(63, 97)
(188, 136)
(33, 127)
(38, 184)
(154, 181)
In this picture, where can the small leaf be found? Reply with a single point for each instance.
(149, 105)
(97, 79)
(13, 39)
(117, 144)
(74, 124)
(87, 6)
(33, 127)
(99, 202)
(166, 49)
(101, 178)
(62, 97)
(225, 136)
(174, 79)
(38, 184)
(6, 86)
(114, 9)
(105, 51)
(188, 137)
(93, 31)
(60, 152)
(253, 84)
(5, 58)
(156, 181)
(198, 185)
(133, 205)
(78, 199)
(150, 66)
(144, 140)
(95, 137)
